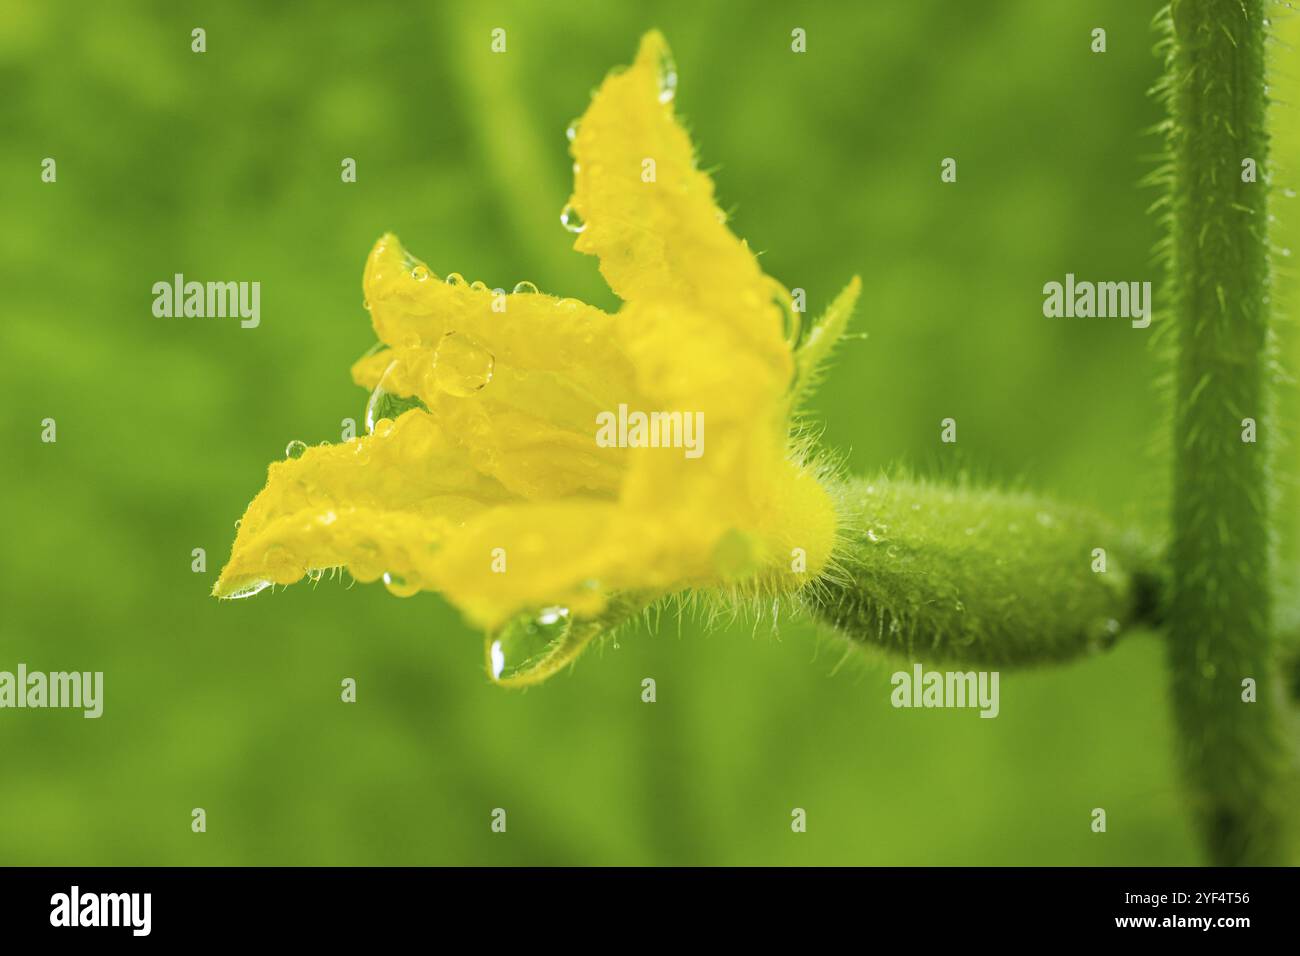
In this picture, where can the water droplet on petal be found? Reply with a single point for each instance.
(667, 76)
(570, 219)
(295, 449)
(455, 278)
(420, 273)
(248, 590)
(527, 642)
(572, 131)
(385, 403)
(461, 365)
(525, 288)
(398, 586)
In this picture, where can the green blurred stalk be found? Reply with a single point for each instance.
(531, 195)
(1221, 608)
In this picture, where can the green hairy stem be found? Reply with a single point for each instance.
(978, 576)
(1220, 613)
(989, 578)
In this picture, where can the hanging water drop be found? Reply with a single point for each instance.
(570, 219)
(398, 586)
(461, 365)
(526, 643)
(248, 590)
(384, 403)
(667, 76)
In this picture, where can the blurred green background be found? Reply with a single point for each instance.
(226, 165)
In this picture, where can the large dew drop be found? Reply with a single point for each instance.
(384, 403)
(398, 586)
(531, 647)
(248, 590)
(461, 365)
(667, 76)
(534, 646)
(570, 219)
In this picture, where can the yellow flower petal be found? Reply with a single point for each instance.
(380, 503)
(666, 239)
(516, 379)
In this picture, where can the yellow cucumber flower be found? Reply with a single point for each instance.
(552, 468)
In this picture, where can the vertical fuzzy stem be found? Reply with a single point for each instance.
(1220, 613)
